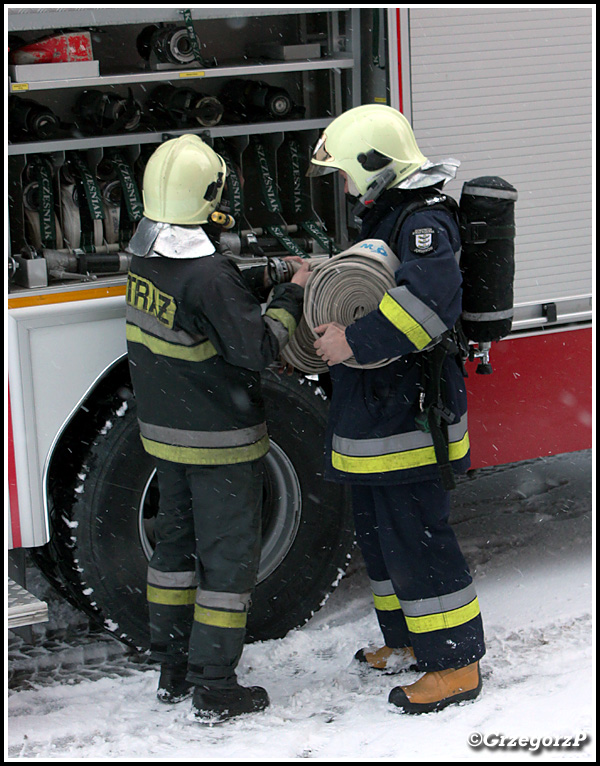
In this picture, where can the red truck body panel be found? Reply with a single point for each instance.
(538, 400)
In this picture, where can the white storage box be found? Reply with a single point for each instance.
(69, 70)
(281, 52)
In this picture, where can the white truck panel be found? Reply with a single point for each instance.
(508, 92)
(61, 350)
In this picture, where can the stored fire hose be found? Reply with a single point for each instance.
(81, 204)
(341, 289)
(292, 178)
(43, 227)
(271, 200)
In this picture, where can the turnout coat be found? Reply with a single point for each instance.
(373, 435)
(197, 343)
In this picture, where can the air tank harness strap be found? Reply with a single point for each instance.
(480, 232)
(426, 202)
(435, 416)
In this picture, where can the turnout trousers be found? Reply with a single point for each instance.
(204, 567)
(422, 588)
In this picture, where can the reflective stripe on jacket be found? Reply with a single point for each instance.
(197, 343)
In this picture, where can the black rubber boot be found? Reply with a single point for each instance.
(172, 686)
(213, 706)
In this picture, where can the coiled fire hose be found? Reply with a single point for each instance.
(341, 289)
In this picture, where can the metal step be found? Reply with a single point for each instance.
(23, 607)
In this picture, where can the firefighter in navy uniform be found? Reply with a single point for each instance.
(197, 342)
(377, 439)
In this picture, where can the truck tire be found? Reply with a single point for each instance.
(105, 539)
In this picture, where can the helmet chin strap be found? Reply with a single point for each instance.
(381, 182)
(428, 174)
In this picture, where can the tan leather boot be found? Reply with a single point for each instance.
(387, 659)
(437, 689)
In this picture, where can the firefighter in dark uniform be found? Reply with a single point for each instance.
(377, 441)
(197, 342)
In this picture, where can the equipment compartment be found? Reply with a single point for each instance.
(78, 143)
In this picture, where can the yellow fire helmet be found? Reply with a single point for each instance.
(365, 141)
(183, 181)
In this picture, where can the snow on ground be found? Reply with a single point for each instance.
(527, 533)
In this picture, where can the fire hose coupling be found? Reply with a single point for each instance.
(280, 270)
(72, 264)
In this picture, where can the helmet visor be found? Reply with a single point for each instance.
(320, 154)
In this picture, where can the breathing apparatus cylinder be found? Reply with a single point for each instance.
(487, 213)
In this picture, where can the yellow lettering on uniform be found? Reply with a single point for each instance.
(130, 283)
(162, 312)
(141, 294)
(145, 296)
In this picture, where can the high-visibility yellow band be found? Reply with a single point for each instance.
(397, 461)
(386, 603)
(206, 456)
(220, 619)
(199, 353)
(404, 322)
(283, 316)
(443, 620)
(170, 597)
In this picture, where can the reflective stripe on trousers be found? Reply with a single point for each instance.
(422, 588)
(221, 610)
(413, 449)
(178, 445)
(171, 588)
(204, 566)
(427, 614)
(224, 610)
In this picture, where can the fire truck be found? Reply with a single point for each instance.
(94, 90)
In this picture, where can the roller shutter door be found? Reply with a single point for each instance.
(509, 92)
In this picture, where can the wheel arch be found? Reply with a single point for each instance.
(87, 417)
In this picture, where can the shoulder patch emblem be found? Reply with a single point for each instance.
(423, 241)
